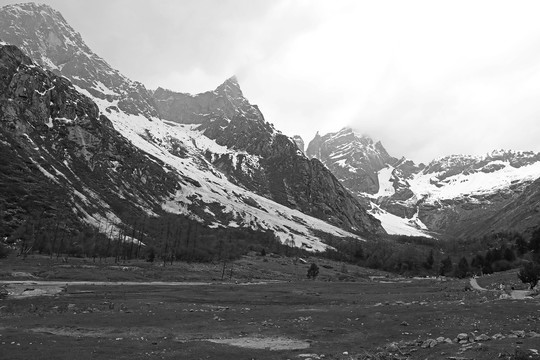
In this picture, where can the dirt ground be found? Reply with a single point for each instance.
(266, 310)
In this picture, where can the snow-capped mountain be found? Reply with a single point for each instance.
(270, 164)
(454, 195)
(354, 158)
(211, 156)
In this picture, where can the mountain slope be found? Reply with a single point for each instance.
(282, 172)
(367, 170)
(192, 172)
(64, 145)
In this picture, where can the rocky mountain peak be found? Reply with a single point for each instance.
(230, 88)
(348, 145)
(354, 157)
(43, 34)
(225, 103)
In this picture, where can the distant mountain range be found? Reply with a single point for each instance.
(457, 195)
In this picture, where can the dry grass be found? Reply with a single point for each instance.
(384, 318)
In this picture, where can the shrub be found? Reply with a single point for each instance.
(530, 274)
(313, 271)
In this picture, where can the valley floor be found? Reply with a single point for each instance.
(365, 315)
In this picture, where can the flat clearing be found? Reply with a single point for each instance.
(293, 318)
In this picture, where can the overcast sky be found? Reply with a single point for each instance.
(427, 78)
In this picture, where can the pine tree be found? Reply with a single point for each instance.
(463, 268)
(429, 261)
(446, 266)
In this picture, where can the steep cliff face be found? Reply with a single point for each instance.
(282, 172)
(223, 103)
(43, 34)
(521, 212)
(65, 146)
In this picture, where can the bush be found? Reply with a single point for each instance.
(530, 274)
(313, 271)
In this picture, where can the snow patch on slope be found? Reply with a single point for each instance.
(386, 187)
(395, 225)
(428, 186)
(206, 185)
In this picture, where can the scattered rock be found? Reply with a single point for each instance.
(429, 343)
(482, 337)
(440, 339)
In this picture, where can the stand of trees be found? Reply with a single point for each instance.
(423, 256)
(166, 238)
(58, 232)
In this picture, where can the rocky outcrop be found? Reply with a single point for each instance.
(299, 142)
(221, 103)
